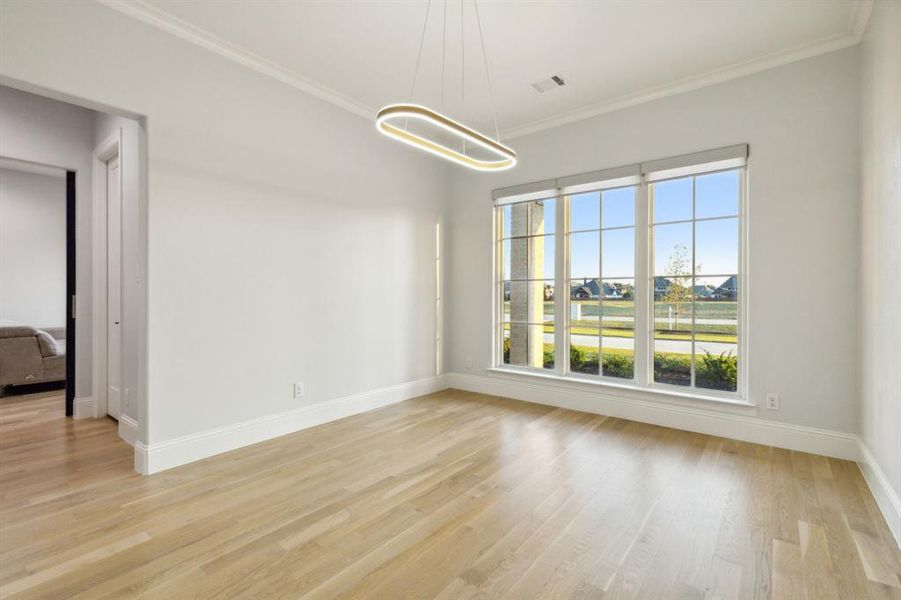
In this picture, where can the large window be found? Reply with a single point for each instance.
(695, 236)
(602, 282)
(527, 251)
(630, 275)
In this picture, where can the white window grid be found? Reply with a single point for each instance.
(643, 332)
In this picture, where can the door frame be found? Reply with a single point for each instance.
(106, 150)
(71, 289)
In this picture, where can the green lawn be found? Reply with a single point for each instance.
(678, 330)
(704, 309)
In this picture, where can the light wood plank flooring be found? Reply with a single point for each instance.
(453, 495)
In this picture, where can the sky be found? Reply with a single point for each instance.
(611, 214)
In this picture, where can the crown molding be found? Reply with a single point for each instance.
(140, 10)
(164, 21)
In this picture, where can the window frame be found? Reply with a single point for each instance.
(497, 286)
(566, 311)
(643, 332)
(740, 392)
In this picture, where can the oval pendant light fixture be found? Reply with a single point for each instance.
(506, 158)
(494, 156)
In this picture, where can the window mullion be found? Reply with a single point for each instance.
(497, 291)
(691, 289)
(561, 286)
(741, 282)
(601, 284)
(640, 295)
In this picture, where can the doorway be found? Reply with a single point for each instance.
(98, 185)
(37, 280)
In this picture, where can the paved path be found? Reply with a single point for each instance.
(682, 319)
(661, 345)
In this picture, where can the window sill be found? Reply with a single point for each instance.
(734, 405)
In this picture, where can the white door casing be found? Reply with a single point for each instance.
(114, 288)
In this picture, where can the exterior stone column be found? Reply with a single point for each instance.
(527, 299)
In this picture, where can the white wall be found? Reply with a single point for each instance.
(287, 240)
(801, 122)
(881, 233)
(44, 131)
(32, 248)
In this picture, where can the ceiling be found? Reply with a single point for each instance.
(611, 53)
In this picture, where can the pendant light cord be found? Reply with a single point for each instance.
(443, 51)
(463, 66)
(425, 24)
(463, 59)
(487, 72)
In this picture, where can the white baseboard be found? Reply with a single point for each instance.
(885, 495)
(678, 416)
(83, 408)
(142, 462)
(128, 429)
(159, 456)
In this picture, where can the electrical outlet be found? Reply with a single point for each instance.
(772, 401)
(468, 362)
(298, 389)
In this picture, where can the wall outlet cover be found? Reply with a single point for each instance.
(772, 401)
(298, 389)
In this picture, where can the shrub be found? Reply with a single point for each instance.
(507, 350)
(590, 365)
(548, 359)
(576, 358)
(619, 365)
(714, 372)
(717, 372)
(672, 368)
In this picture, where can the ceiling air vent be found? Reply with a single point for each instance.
(551, 83)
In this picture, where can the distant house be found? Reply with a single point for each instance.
(625, 290)
(611, 292)
(590, 289)
(661, 287)
(728, 290)
(704, 292)
(586, 290)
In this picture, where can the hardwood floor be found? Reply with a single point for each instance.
(453, 495)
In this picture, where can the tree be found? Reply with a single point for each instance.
(677, 294)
